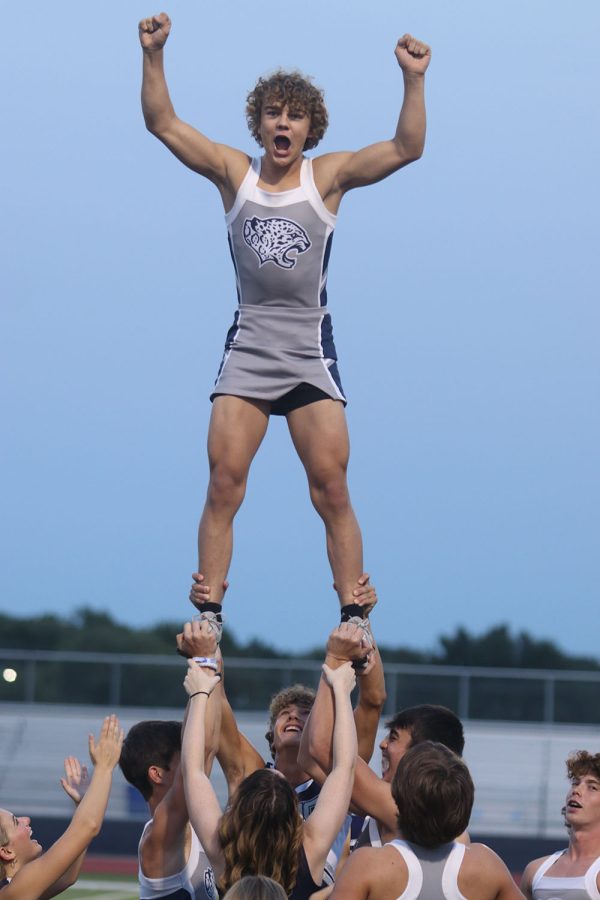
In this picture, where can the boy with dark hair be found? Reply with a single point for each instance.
(172, 862)
(434, 792)
(574, 873)
(280, 357)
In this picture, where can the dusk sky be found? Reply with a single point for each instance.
(463, 291)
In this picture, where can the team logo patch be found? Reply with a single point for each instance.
(279, 241)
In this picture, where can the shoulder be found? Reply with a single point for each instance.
(530, 870)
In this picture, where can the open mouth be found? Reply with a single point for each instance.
(295, 729)
(573, 804)
(282, 142)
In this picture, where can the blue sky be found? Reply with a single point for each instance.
(464, 299)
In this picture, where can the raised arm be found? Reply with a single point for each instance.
(237, 757)
(202, 803)
(38, 878)
(370, 795)
(336, 173)
(345, 643)
(222, 165)
(161, 847)
(323, 825)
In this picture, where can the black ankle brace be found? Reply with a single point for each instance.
(210, 607)
(352, 609)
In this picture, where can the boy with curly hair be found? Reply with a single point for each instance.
(574, 873)
(280, 357)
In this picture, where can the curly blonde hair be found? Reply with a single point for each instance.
(583, 763)
(294, 90)
(261, 832)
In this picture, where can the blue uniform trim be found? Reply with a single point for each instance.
(323, 296)
(327, 345)
(237, 277)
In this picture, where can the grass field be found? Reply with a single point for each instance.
(104, 887)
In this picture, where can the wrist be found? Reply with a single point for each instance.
(207, 662)
(413, 77)
(333, 661)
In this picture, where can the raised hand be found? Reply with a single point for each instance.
(106, 751)
(343, 678)
(347, 642)
(198, 638)
(200, 680)
(413, 56)
(154, 31)
(76, 780)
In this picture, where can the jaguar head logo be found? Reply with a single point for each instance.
(275, 240)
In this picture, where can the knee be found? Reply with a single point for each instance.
(329, 493)
(226, 488)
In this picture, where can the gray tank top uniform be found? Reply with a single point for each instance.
(582, 887)
(432, 874)
(196, 881)
(281, 334)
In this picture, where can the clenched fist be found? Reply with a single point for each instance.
(154, 32)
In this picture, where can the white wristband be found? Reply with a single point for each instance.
(207, 662)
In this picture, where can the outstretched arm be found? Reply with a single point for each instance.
(344, 643)
(75, 783)
(202, 803)
(222, 165)
(370, 795)
(237, 757)
(38, 878)
(322, 827)
(336, 173)
(163, 839)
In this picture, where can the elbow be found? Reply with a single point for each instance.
(375, 699)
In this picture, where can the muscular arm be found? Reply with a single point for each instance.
(336, 173)
(371, 700)
(222, 165)
(237, 756)
(315, 750)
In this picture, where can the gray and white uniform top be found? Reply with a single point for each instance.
(582, 887)
(196, 880)
(432, 874)
(281, 334)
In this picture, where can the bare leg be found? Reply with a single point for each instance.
(320, 436)
(237, 427)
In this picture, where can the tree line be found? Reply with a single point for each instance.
(89, 630)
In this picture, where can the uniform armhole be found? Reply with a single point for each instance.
(541, 871)
(307, 182)
(450, 887)
(591, 879)
(415, 872)
(245, 189)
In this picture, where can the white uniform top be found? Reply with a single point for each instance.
(195, 881)
(580, 887)
(432, 874)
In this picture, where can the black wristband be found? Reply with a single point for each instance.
(199, 692)
(350, 610)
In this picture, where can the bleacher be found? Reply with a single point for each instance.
(518, 769)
